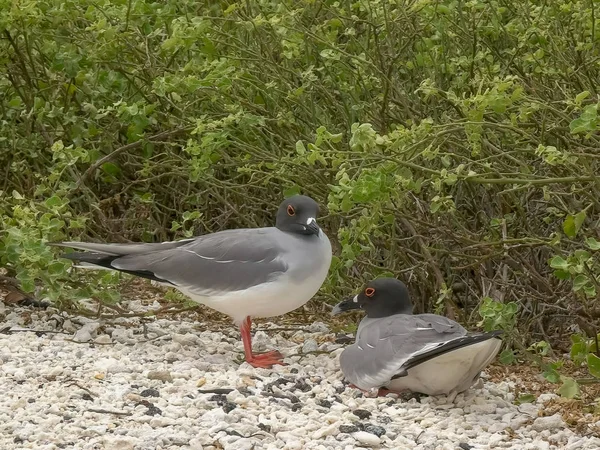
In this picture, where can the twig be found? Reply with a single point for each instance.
(105, 411)
(75, 383)
(222, 391)
(131, 146)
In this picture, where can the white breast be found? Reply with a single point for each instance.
(277, 297)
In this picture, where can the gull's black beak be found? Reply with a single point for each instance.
(346, 305)
(311, 226)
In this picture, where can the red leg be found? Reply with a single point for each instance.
(264, 360)
(382, 392)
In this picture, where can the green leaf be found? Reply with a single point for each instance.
(587, 122)
(569, 388)
(562, 274)
(575, 338)
(507, 357)
(53, 201)
(578, 352)
(592, 243)
(146, 197)
(581, 97)
(551, 375)
(525, 398)
(190, 215)
(56, 268)
(579, 219)
(593, 363)
(15, 102)
(111, 169)
(569, 226)
(300, 148)
(559, 263)
(590, 291)
(580, 282)
(292, 190)
(572, 224)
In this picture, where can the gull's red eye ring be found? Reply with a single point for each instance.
(369, 292)
(291, 211)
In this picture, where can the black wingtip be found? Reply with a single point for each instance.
(452, 345)
(103, 260)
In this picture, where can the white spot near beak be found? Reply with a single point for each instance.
(355, 299)
(310, 220)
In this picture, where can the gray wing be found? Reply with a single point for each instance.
(384, 346)
(217, 263)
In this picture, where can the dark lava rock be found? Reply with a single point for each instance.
(217, 398)
(221, 400)
(153, 411)
(407, 396)
(302, 385)
(362, 413)
(150, 393)
(87, 397)
(348, 429)
(229, 406)
(465, 446)
(324, 403)
(264, 427)
(296, 407)
(376, 430)
(293, 370)
(277, 383)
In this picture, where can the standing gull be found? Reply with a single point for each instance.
(244, 273)
(398, 351)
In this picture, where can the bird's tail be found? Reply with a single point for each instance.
(452, 345)
(101, 256)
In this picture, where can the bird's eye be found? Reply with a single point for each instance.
(291, 211)
(369, 292)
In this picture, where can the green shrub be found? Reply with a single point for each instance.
(453, 143)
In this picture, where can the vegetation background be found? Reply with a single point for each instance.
(453, 144)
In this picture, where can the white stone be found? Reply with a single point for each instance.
(366, 438)
(548, 423)
(310, 345)
(86, 332)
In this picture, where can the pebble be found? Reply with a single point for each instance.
(310, 345)
(367, 438)
(162, 375)
(150, 384)
(548, 423)
(375, 429)
(150, 393)
(103, 339)
(348, 429)
(361, 413)
(86, 332)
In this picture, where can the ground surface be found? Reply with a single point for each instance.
(155, 384)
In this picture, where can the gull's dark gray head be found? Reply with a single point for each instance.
(298, 214)
(382, 297)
